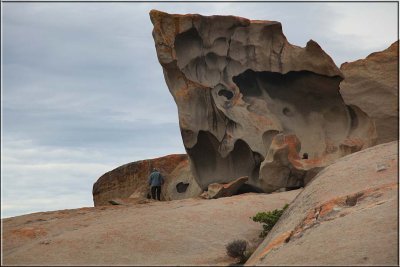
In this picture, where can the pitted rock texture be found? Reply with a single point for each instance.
(131, 181)
(348, 215)
(372, 85)
(251, 104)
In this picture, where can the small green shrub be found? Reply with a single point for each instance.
(237, 249)
(269, 219)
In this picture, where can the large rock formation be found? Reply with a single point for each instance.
(348, 215)
(131, 180)
(251, 104)
(181, 232)
(372, 85)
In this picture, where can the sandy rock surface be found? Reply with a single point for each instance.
(348, 215)
(185, 232)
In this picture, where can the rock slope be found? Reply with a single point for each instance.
(252, 104)
(348, 215)
(179, 232)
(372, 85)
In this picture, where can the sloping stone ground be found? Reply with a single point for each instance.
(180, 232)
(348, 215)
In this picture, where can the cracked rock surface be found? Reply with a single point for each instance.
(252, 104)
(348, 215)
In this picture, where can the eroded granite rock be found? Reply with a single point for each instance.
(251, 104)
(372, 85)
(131, 181)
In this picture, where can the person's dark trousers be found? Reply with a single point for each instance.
(156, 192)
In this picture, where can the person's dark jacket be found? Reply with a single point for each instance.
(156, 179)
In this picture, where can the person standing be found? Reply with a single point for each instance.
(155, 182)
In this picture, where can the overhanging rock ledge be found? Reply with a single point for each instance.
(252, 104)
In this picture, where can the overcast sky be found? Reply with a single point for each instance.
(83, 92)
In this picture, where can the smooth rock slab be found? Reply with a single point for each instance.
(348, 215)
(179, 232)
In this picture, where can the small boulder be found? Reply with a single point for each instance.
(216, 190)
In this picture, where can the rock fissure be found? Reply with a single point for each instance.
(328, 211)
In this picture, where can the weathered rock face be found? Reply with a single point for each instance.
(372, 85)
(348, 215)
(131, 180)
(251, 104)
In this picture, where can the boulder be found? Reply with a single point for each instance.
(372, 85)
(176, 233)
(131, 181)
(216, 190)
(252, 104)
(348, 215)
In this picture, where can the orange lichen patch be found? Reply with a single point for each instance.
(183, 94)
(291, 139)
(273, 244)
(318, 215)
(30, 232)
(327, 207)
(157, 18)
(307, 164)
(293, 144)
(314, 161)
